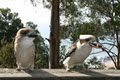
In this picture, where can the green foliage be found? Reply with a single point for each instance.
(41, 60)
(73, 32)
(94, 63)
(31, 25)
(41, 55)
(7, 58)
(62, 55)
(9, 24)
(110, 30)
(70, 32)
(117, 9)
(74, 15)
(69, 8)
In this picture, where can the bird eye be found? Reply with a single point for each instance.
(87, 40)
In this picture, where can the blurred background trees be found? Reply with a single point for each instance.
(98, 17)
(10, 23)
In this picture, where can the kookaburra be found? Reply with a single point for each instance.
(78, 52)
(24, 49)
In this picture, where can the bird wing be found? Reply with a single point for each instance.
(71, 50)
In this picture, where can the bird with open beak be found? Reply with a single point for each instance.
(78, 52)
(24, 49)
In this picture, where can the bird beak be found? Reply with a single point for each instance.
(96, 45)
(32, 34)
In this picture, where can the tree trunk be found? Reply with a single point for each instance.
(118, 47)
(54, 35)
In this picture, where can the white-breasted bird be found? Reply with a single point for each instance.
(78, 52)
(24, 49)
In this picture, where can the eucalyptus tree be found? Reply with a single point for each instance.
(54, 35)
(9, 24)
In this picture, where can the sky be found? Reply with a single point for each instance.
(27, 12)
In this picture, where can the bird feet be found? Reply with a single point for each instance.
(67, 68)
(18, 69)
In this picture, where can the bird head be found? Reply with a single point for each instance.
(90, 40)
(86, 39)
(27, 32)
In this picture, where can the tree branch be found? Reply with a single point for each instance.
(48, 40)
(110, 44)
(97, 52)
(111, 58)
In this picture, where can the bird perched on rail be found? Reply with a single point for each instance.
(78, 52)
(24, 49)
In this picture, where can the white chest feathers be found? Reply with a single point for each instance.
(81, 53)
(26, 42)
